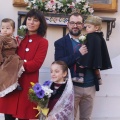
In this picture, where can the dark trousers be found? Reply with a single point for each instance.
(10, 117)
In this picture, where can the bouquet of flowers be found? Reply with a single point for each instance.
(40, 95)
(61, 6)
(22, 31)
(82, 39)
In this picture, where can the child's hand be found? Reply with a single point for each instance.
(100, 81)
(81, 66)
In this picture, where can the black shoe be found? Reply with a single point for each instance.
(19, 87)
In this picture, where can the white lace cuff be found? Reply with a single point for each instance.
(21, 71)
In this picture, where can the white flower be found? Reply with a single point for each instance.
(35, 7)
(28, 7)
(86, 5)
(82, 37)
(47, 90)
(23, 26)
(22, 31)
(34, 1)
(90, 10)
(83, 0)
(59, 5)
(26, 1)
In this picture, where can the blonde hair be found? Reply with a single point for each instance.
(94, 20)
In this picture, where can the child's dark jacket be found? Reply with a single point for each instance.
(97, 56)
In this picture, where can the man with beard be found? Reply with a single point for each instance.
(69, 50)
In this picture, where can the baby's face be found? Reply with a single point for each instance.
(6, 29)
(90, 28)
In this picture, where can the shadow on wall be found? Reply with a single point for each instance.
(44, 74)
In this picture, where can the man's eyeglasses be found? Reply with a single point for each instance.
(77, 23)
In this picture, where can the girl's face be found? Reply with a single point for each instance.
(91, 28)
(57, 74)
(7, 29)
(32, 24)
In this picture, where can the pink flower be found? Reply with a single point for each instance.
(72, 5)
(52, 2)
(90, 10)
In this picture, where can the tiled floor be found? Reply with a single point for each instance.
(2, 117)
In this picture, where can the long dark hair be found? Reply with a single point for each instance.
(39, 15)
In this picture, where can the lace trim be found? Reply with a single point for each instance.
(64, 108)
(8, 90)
(20, 72)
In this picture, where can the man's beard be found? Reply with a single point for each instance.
(75, 33)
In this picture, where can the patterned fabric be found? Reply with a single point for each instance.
(64, 108)
(57, 92)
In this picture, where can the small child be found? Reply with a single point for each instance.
(97, 56)
(10, 62)
(94, 24)
(61, 103)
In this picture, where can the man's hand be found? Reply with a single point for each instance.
(83, 49)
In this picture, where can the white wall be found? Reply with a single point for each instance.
(7, 10)
(107, 101)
